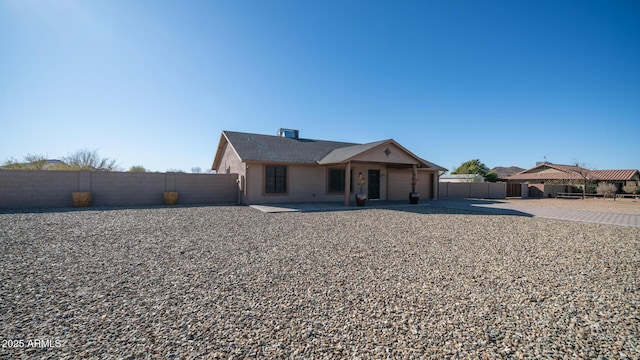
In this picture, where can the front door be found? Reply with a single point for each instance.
(374, 184)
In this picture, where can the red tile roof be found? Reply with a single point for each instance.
(571, 172)
(613, 175)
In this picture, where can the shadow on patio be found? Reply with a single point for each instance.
(459, 206)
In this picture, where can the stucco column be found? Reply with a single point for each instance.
(347, 184)
(414, 178)
(435, 183)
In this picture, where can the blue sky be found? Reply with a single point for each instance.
(154, 82)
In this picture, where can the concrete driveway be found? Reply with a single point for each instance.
(496, 206)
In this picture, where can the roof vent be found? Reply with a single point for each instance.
(289, 133)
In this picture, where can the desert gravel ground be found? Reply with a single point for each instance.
(232, 282)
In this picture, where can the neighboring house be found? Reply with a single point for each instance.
(462, 178)
(570, 174)
(286, 168)
(503, 172)
(53, 163)
(47, 164)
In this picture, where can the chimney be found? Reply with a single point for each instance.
(289, 133)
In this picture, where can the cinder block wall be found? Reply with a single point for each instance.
(52, 189)
(457, 190)
(37, 188)
(127, 189)
(478, 190)
(472, 190)
(206, 188)
(497, 191)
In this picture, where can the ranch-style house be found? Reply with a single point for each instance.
(286, 168)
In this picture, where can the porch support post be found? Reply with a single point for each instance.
(435, 179)
(347, 184)
(414, 170)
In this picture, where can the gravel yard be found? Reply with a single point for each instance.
(189, 282)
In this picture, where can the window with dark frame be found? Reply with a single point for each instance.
(336, 180)
(275, 179)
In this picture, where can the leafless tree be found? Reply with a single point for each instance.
(30, 162)
(89, 160)
(582, 170)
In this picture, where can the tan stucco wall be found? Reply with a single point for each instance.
(230, 162)
(364, 169)
(304, 183)
(399, 184)
(309, 183)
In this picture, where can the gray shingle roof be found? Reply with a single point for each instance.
(270, 148)
(277, 149)
(345, 153)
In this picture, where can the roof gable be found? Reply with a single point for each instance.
(347, 153)
(389, 152)
(384, 151)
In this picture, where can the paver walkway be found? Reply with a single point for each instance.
(487, 206)
(498, 207)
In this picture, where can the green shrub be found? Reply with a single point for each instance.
(491, 176)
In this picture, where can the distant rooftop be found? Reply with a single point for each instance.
(572, 172)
